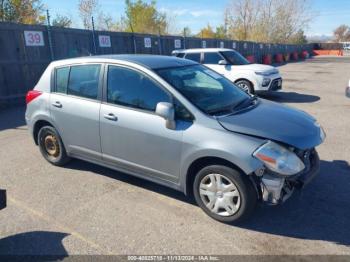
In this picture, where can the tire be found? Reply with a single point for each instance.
(51, 146)
(246, 86)
(244, 196)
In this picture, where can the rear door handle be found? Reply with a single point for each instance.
(111, 117)
(57, 104)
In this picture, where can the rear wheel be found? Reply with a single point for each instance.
(51, 146)
(246, 86)
(224, 193)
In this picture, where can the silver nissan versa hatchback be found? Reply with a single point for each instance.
(177, 123)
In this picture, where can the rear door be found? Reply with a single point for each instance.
(75, 106)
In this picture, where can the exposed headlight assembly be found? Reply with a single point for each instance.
(279, 159)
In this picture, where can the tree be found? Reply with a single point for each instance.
(22, 11)
(62, 21)
(107, 23)
(298, 38)
(342, 33)
(142, 17)
(220, 32)
(88, 9)
(206, 32)
(277, 21)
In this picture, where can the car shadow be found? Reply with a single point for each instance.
(12, 118)
(319, 212)
(289, 97)
(135, 181)
(36, 245)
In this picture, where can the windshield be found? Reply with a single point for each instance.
(205, 88)
(235, 58)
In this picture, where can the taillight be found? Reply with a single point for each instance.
(31, 95)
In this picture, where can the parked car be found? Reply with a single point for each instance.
(347, 90)
(177, 123)
(232, 65)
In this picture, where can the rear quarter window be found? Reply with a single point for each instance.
(62, 76)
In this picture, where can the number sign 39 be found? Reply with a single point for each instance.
(34, 38)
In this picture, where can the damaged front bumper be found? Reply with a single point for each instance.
(276, 189)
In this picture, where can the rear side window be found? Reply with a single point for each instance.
(62, 75)
(212, 58)
(84, 80)
(180, 55)
(194, 56)
(131, 88)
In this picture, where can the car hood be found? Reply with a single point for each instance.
(276, 122)
(257, 67)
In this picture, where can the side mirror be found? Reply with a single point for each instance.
(167, 111)
(223, 62)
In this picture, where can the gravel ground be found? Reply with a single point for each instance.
(87, 209)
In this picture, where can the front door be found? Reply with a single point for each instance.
(133, 137)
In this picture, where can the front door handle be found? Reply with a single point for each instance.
(57, 104)
(111, 117)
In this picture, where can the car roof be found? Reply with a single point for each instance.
(204, 50)
(149, 61)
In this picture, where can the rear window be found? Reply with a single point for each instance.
(194, 57)
(83, 81)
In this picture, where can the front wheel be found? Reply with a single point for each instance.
(224, 193)
(246, 86)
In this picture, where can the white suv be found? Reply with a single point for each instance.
(232, 65)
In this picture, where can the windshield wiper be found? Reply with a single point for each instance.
(220, 111)
(245, 103)
(233, 108)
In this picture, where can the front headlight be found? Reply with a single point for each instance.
(279, 159)
(262, 73)
(266, 82)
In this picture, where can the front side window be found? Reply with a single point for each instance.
(212, 58)
(235, 58)
(84, 80)
(62, 75)
(194, 57)
(131, 88)
(206, 89)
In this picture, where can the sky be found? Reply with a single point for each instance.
(196, 14)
